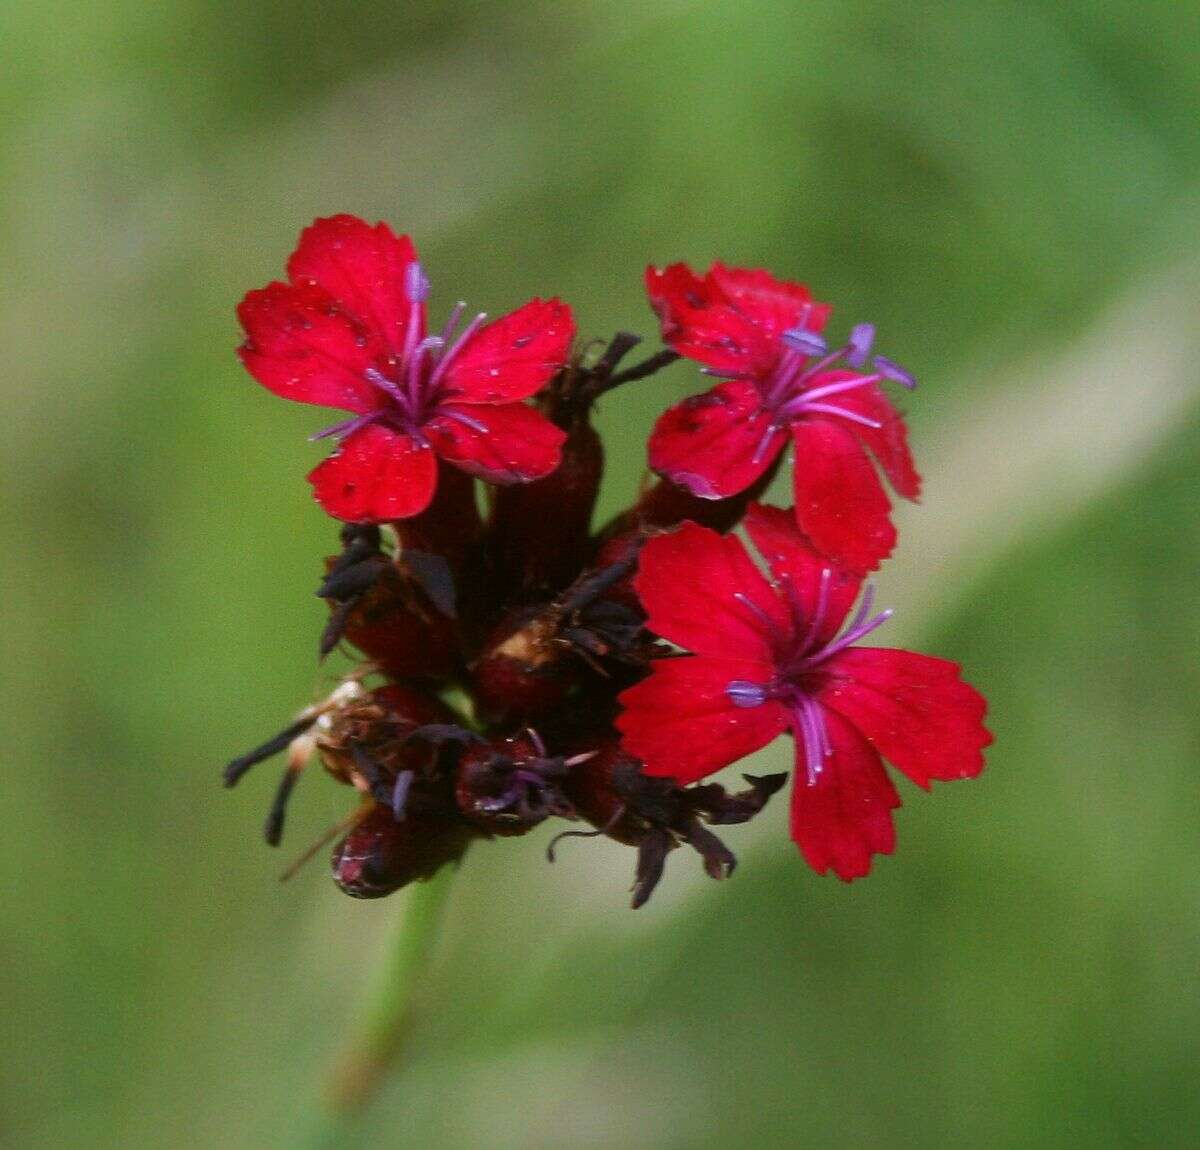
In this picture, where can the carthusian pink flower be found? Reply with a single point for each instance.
(774, 655)
(348, 330)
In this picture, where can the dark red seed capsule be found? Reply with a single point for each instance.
(525, 670)
(381, 855)
(508, 786)
(538, 533)
(407, 638)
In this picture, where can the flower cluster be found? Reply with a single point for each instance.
(520, 664)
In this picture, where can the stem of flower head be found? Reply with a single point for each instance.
(392, 1003)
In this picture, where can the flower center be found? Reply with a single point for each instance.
(800, 655)
(788, 392)
(412, 389)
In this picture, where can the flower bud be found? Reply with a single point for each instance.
(393, 624)
(381, 855)
(539, 533)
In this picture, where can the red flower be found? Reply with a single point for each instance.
(768, 656)
(761, 336)
(348, 330)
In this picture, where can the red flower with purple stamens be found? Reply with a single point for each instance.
(768, 656)
(348, 330)
(762, 338)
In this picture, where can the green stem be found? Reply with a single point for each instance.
(389, 1008)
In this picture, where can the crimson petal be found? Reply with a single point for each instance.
(717, 444)
(702, 591)
(795, 561)
(845, 816)
(773, 305)
(698, 322)
(362, 268)
(681, 723)
(676, 288)
(514, 356)
(840, 503)
(888, 442)
(507, 444)
(376, 476)
(914, 708)
(302, 347)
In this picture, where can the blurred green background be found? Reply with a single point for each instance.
(1011, 191)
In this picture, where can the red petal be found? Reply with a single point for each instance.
(889, 443)
(793, 560)
(514, 356)
(300, 346)
(516, 443)
(773, 305)
(682, 725)
(676, 287)
(698, 322)
(689, 583)
(915, 709)
(712, 444)
(845, 816)
(840, 503)
(375, 476)
(362, 267)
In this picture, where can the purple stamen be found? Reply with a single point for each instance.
(838, 388)
(346, 426)
(457, 346)
(807, 342)
(862, 335)
(889, 369)
(850, 636)
(465, 420)
(716, 373)
(759, 612)
(382, 382)
(816, 719)
(400, 791)
(415, 364)
(536, 740)
(782, 378)
(743, 693)
(783, 393)
(416, 289)
(864, 608)
(823, 729)
(416, 283)
(818, 367)
(814, 627)
(455, 315)
(816, 738)
(853, 416)
(764, 444)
